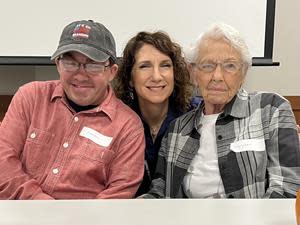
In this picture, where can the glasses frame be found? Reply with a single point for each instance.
(199, 66)
(84, 65)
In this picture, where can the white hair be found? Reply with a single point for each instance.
(221, 31)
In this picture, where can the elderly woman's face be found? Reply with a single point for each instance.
(218, 72)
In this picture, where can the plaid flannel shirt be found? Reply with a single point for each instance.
(272, 172)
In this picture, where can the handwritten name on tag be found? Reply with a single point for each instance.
(248, 145)
(95, 136)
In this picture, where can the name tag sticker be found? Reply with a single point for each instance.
(248, 145)
(95, 136)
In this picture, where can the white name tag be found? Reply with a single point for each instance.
(95, 136)
(248, 145)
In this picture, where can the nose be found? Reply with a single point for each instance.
(81, 68)
(156, 73)
(81, 74)
(218, 73)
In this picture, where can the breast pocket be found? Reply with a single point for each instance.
(91, 166)
(37, 150)
(97, 153)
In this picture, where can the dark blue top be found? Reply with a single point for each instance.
(152, 148)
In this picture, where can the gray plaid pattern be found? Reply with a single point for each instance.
(272, 173)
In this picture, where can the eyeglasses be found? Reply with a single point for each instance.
(231, 67)
(91, 68)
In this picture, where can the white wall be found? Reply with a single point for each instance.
(284, 79)
(39, 37)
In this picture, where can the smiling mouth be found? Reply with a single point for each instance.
(156, 88)
(81, 86)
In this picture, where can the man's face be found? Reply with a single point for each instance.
(87, 85)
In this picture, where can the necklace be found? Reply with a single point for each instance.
(154, 132)
(155, 129)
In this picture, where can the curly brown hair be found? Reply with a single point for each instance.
(160, 40)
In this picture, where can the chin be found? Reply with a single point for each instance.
(217, 101)
(158, 100)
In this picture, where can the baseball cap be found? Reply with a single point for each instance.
(90, 38)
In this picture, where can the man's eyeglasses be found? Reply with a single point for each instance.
(231, 67)
(92, 68)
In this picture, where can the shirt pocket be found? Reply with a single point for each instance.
(96, 153)
(37, 151)
(91, 167)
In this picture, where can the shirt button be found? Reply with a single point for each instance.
(65, 145)
(76, 119)
(220, 137)
(55, 171)
(33, 135)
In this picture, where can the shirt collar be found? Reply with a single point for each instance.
(108, 106)
(237, 107)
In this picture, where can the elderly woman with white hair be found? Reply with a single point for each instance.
(235, 144)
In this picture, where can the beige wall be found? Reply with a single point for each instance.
(284, 79)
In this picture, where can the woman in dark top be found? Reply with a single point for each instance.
(154, 81)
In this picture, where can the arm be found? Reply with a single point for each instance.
(127, 168)
(283, 154)
(14, 182)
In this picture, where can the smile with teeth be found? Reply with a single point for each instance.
(81, 86)
(156, 88)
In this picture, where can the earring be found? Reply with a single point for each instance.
(131, 95)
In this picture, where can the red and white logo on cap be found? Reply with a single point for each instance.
(81, 31)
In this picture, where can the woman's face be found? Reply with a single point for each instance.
(152, 76)
(218, 72)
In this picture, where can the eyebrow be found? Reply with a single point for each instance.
(149, 61)
(223, 60)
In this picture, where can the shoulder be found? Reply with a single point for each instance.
(266, 99)
(39, 86)
(126, 114)
(184, 122)
(37, 89)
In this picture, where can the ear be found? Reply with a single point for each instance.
(130, 83)
(58, 66)
(56, 62)
(190, 67)
(192, 74)
(113, 71)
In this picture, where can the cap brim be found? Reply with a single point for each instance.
(86, 50)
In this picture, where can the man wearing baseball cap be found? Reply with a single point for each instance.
(72, 138)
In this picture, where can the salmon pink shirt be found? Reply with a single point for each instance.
(48, 151)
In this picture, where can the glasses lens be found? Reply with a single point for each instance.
(228, 67)
(231, 67)
(94, 68)
(70, 65)
(207, 67)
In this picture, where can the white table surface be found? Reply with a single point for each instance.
(149, 212)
